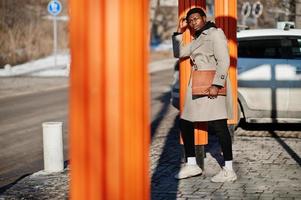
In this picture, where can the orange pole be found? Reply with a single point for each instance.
(109, 99)
(201, 135)
(226, 18)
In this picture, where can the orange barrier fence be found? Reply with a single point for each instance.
(109, 100)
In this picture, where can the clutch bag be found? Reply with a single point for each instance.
(202, 80)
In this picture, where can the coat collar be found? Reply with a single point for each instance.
(204, 34)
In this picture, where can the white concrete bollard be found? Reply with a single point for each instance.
(53, 146)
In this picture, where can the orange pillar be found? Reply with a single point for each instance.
(226, 18)
(185, 68)
(109, 100)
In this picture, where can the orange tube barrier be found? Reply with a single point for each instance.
(201, 135)
(226, 18)
(109, 100)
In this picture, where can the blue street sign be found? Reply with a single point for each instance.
(54, 7)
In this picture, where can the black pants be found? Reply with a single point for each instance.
(218, 127)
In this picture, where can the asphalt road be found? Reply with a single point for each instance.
(21, 119)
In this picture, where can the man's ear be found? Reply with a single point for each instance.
(204, 18)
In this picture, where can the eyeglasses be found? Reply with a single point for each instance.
(193, 20)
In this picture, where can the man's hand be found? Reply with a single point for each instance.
(182, 25)
(213, 92)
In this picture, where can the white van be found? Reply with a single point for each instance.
(269, 75)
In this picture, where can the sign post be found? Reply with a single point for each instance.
(54, 8)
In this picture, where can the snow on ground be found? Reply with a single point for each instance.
(41, 67)
(46, 66)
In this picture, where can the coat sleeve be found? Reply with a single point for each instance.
(221, 54)
(179, 49)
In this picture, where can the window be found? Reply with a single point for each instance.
(284, 47)
(259, 48)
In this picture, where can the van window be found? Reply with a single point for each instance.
(259, 48)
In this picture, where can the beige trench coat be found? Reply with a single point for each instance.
(208, 51)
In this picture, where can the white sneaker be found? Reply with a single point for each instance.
(224, 175)
(188, 171)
